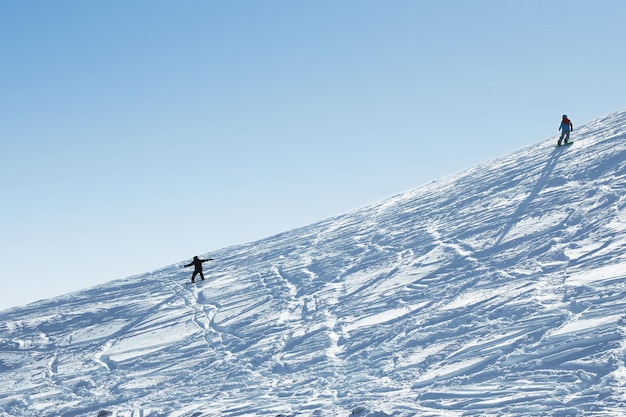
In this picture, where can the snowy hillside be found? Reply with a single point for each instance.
(497, 291)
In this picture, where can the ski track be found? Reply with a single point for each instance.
(497, 291)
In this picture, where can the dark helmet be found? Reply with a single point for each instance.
(565, 116)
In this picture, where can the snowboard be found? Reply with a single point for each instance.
(565, 144)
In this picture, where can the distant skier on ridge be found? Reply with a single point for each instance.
(566, 127)
(197, 264)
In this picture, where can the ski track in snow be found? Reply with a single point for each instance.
(497, 291)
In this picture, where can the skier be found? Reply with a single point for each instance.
(565, 128)
(197, 264)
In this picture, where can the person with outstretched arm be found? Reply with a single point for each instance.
(197, 265)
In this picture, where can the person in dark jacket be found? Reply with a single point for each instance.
(197, 265)
(565, 128)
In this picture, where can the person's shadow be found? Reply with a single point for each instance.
(541, 182)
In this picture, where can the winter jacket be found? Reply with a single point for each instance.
(197, 263)
(566, 125)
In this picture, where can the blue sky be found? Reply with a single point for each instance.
(136, 134)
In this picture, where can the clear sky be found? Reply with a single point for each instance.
(136, 134)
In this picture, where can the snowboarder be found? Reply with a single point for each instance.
(565, 128)
(197, 264)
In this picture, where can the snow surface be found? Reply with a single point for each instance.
(496, 291)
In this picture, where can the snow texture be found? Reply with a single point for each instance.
(497, 291)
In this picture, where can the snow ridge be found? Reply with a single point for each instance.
(496, 291)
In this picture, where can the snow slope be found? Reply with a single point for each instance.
(496, 291)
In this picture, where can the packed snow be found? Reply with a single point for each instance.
(497, 291)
